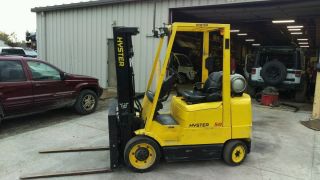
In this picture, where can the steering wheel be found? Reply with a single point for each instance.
(174, 72)
(176, 75)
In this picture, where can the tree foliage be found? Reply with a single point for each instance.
(9, 39)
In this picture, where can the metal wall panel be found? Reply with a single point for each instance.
(76, 40)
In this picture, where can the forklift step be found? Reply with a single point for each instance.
(166, 119)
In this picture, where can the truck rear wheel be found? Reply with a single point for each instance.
(141, 154)
(86, 102)
(235, 152)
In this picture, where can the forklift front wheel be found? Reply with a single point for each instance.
(235, 152)
(141, 154)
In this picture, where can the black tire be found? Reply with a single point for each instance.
(83, 107)
(146, 151)
(274, 73)
(230, 149)
(1, 114)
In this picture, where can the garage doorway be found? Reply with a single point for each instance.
(256, 33)
(112, 78)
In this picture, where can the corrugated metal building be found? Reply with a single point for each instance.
(75, 36)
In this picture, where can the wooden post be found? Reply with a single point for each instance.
(316, 102)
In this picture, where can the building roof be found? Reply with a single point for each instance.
(79, 5)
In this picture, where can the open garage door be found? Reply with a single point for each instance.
(266, 35)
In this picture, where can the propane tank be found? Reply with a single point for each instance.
(238, 84)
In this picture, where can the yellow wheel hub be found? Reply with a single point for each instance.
(142, 156)
(238, 154)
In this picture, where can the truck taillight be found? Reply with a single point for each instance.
(297, 73)
(253, 71)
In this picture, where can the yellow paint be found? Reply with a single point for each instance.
(151, 159)
(205, 55)
(203, 123)
(162, 75)
(156, 62)
(120, 50)
(316, 102)
(238, 154)
(208, 117)
(241, 115)
(226, 79)
(146, 105)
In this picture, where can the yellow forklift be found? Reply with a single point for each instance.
(212, 121)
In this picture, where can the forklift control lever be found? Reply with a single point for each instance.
(161, 32)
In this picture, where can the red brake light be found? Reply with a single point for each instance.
(297, 73)
(253, 71)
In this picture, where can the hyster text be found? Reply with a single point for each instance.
(198, 125)
(120, 51)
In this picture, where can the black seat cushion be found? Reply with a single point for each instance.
(166, 119)
(214, 97)
(211, 91)
(213, 83)
(193, 96)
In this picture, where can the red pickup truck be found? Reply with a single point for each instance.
(28, 86)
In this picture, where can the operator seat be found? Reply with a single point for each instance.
(211, 91)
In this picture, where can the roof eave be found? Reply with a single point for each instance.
(78, 5)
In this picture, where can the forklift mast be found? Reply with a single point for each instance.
(121, 117)
(125, 76)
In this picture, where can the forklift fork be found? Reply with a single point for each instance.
(70, 173)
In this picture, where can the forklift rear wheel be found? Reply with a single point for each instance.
(235, 152)
(141, 154)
